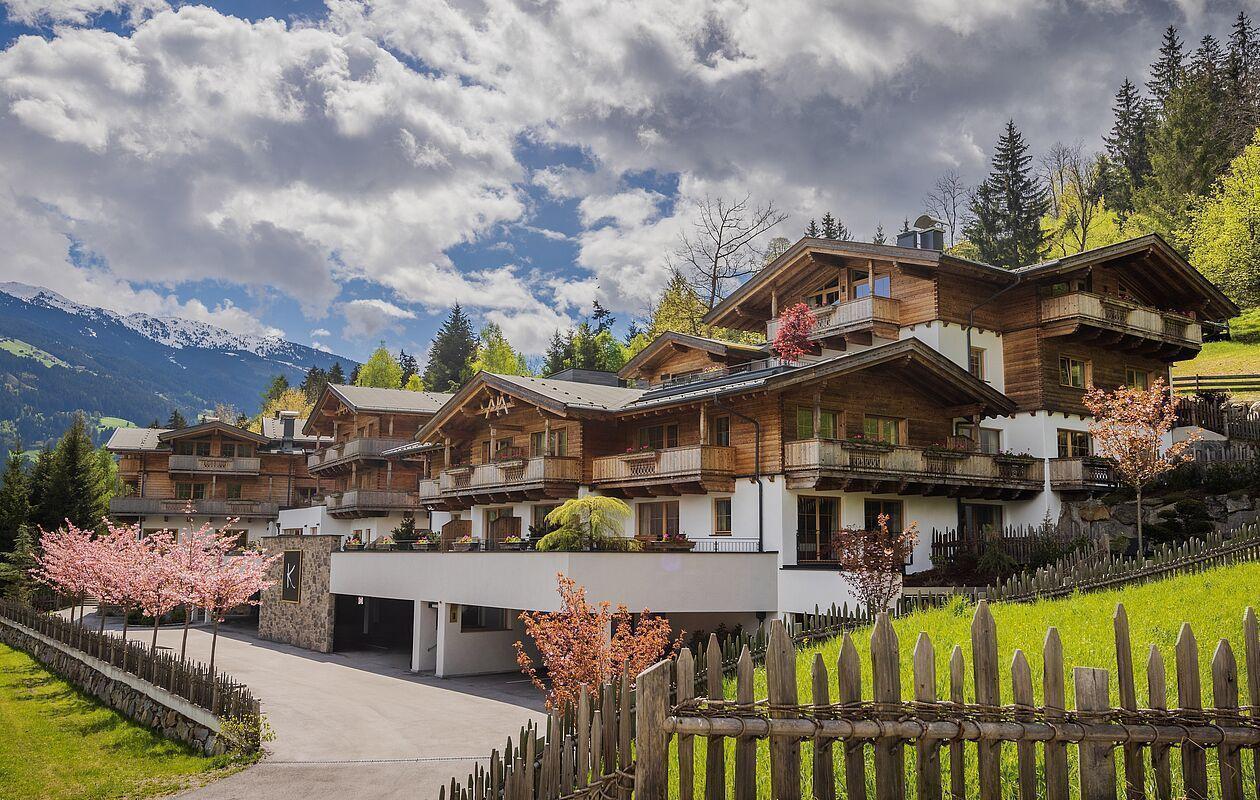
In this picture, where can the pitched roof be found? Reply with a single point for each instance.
(273, 428)
(717, 347)
(134, 439)
(402, 401)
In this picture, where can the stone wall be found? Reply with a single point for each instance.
(129, 695)
(307, 623)
(1172, 518)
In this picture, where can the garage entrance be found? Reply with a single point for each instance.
(374, 623)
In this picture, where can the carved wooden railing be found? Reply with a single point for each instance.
(1139, 319)
(670, 462)
(900, 460)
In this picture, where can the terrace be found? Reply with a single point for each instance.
(1121, 324)
(828, 464)
(689, 469)
(369, 502)
(1081, 474)
(511, 477)
(339, 457)
(225, 465)
(243, 509)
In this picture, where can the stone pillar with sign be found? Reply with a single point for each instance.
(298, 608)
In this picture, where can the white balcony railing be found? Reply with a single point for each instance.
(228, 464)
(670, 462)
(1131, 317)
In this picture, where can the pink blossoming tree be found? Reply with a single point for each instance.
(791, 340)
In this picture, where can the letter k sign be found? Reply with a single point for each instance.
(289, 571)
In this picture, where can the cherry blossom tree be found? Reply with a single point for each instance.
(64, 563)
(791, 340)
(195, 555)
(584, 645)
(1131, 427)
(872, 561)
(159, 585)
(230, 581)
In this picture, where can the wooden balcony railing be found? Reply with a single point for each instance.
(342, 452)
(934, 466)
(1123, 315)
(370, 499)
(227, 464)
(428, 489)
(510, 472)
(1081, 473)
(219, 508)
(850, 315)
(689, 461)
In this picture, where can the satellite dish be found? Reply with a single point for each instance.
(928, 222)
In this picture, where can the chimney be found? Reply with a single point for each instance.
(288, 420)
(925, 234)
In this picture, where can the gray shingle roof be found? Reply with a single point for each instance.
(366, 398)
(134, 438)
(273, 429)
(591, 396)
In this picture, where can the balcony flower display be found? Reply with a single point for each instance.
(946, 450)
(1010, 455)
(860, 441)
(426, 540)
(354, 543)
(511, 543)
(670, 542)
(464, 544)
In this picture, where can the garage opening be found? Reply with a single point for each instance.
(373, 623)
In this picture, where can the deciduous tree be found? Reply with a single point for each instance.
(381, 371)
(496, 354)
(1130, 427)
(584, 645)
(873, 560)
(791, 340)
(947, 201)
(722, 246)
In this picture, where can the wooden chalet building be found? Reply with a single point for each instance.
(212, 472)
(940, 390)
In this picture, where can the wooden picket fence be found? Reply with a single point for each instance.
(909, 734)
(1080, 572)
(1022, 543)
(218, 693)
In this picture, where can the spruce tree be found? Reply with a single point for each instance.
(558, 354)
(451, 355)
(842, 230)
(274, 389)
(75, 490)
(176, 420)
(880, 237)
(17, 565)
(1242, 72)
(811, 230)
(829, 229)
(602, 317)
(354, 374)
(314, 382)
(38, 484)
(336, 375)
(1127, 147)
(1168, 70)
(409, 365)
(1007, 208)
(15, 501)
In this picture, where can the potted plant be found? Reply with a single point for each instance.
(511, 543)
(464, 544)
(353, 543)
(860, 441)
(426, 540)
(385, 542)
(641, 453)
(405, 534)
(672, 543)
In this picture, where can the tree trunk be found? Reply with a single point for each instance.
(1141, 548)
(126, 612)
(214, 640)
(183, 648)
(157, 618)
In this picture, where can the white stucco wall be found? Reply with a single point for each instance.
(950, 340)
(256, 528)
(474, 652)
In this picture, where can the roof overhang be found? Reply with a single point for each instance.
(672, 341)
(485, 382)
(210, 427)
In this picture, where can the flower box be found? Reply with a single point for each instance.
(466, 547)
(353, 546)
(946, 453)
(1013, 458)
(517, 545)
(641, 455)
(866, 445)
(679, 545)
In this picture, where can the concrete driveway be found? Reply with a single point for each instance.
(358, 725)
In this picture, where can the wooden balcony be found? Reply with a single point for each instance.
(691, 469)
(224, 465)
(878, 315)
(883, 469)
(1081, 475)
(337, 458)
(369, 502)
(1119, 324)
(144, 506)
(510, 480)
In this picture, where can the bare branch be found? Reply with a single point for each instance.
(947, 201)
(722, 246)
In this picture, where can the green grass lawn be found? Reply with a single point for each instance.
(1212, 602)
(58, 743)
(108, 423)
(1239, 356)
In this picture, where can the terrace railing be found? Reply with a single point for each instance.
(670, 462)
(872, 457)
(511, 471)
(849, 315)
(370, 498)
(226, 464)
(363, 447)
(130, 504)
(1116, 313)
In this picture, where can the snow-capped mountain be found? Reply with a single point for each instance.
(173, 332)
(58, 356)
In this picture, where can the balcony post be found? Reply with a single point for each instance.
(389, 474)
(774, 303)
(704, 424)
(817, 413)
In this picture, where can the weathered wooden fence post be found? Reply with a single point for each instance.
(1097, 761)
(785, 753)
(984, 658)
(651, 774)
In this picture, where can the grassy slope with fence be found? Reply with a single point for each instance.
(1212, 602)
(59, 743)
(1240, 355)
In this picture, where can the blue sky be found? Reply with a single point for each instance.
(344, 172)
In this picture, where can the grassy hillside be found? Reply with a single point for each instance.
(22, 349)
(1240, 355)
(60, 744)
(1212, 602)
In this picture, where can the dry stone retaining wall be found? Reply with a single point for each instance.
(129, 695)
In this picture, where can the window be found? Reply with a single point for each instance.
(233, 490)
(657, 520)
(1073, 372)
(883, 286)
(496, 526)
(1137, 378)
(872, 510)
(657, 437)
(190, 491)
(131, 487)
(481, 618)
(981, 518)
(538, 520)
(817, 520)
(859, 284)
(1073, 444)
(536, 444)
(193, 449)
(825, 296)
(828, 423)
(988, 440)
(720, 431)
(291, 532)
(721, 516)
(304, 495)
(975, 362)
(882, 429)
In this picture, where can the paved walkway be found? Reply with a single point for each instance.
(357, 725)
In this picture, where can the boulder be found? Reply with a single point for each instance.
(1237, 503)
